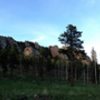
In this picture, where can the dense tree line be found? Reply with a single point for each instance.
(31, 60)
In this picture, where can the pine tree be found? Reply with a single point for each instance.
(71, 37)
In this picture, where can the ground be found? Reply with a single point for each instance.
(15, 89)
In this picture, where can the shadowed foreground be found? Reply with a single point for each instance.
(13, 89)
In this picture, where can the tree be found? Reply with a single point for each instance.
(71, 37)
(93, 55)
(94, 60)
(13, 58)
(4, 60)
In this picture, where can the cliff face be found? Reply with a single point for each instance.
(52, 51)
(28, 58)
(8, 42)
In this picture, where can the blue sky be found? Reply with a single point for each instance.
(44, 20)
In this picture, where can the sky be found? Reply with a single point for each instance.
(43, 21)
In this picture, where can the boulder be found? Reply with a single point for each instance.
(54, 51)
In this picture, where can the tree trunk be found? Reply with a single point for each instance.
(95, 72)
(66, 72)
(75, 72)
(84, 76)
(72, 79)
(99, 76)
(87, 73)
(84, 73)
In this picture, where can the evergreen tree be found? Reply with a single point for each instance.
(4, 60)
(71, 37)
(13, 59)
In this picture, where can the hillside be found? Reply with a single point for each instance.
(29, 71)
(27, 58)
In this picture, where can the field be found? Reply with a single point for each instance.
(15, 89)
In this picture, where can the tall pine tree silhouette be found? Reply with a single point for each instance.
(71, 37)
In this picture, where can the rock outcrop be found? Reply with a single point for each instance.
(35, 48)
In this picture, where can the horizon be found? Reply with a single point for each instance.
(43, 21)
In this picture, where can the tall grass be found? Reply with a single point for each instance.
(14, 89)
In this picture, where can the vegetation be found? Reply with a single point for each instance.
(71, 37)
(27, 89)
(27, 69)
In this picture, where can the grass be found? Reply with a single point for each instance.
(11, 89)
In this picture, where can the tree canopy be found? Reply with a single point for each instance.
(71, 37)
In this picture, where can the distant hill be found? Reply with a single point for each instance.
(30, 59)
(6, 42)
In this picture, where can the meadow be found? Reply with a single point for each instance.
(28, 89)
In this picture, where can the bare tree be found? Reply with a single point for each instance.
(94, 60)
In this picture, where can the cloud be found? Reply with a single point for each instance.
(39, 38)
(45, 34)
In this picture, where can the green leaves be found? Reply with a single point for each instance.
(71, 37)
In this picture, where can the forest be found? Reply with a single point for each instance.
(70, 63)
